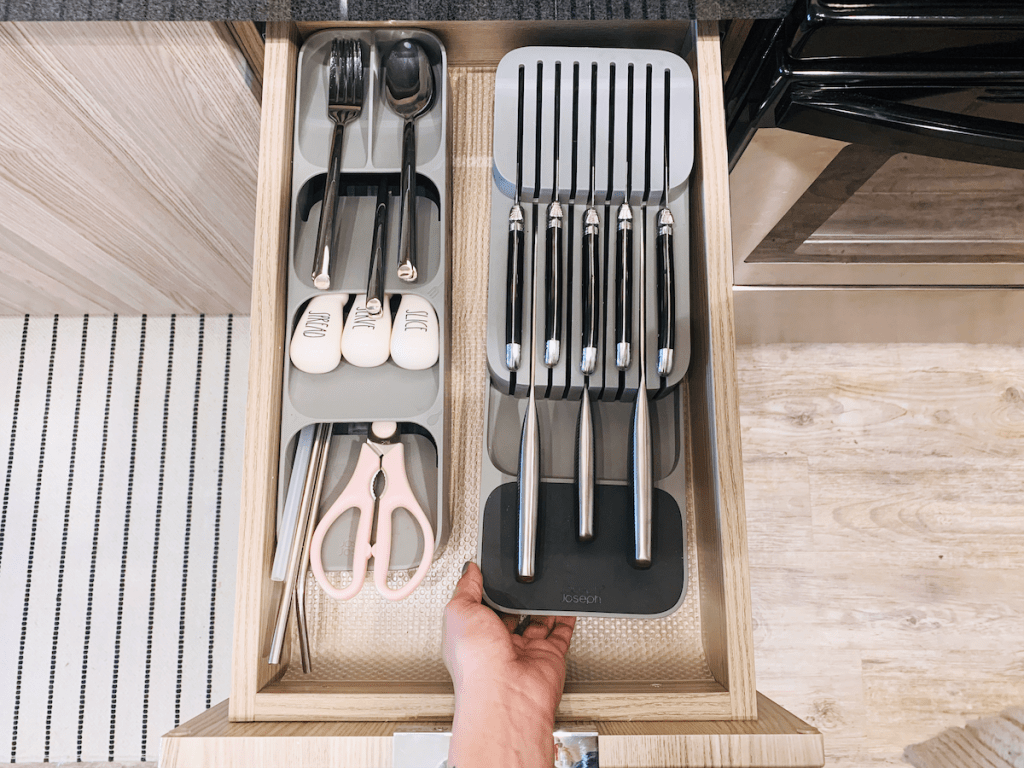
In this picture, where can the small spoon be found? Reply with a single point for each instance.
(409, 92)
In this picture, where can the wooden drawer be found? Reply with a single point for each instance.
(717, 719)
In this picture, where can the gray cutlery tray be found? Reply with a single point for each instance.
(586, 589)
(350, 396)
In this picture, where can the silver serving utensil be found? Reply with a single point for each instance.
(409, 91)
(345, 95)
(375, 282)
(640, 448)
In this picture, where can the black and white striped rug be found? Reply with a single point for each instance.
(118, 529)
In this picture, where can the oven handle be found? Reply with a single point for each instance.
(900, 127)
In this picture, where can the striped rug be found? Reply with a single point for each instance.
(118, 529)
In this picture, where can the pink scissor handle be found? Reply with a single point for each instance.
(356, 495)
(399, 495)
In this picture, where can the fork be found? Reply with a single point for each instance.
(345, 95)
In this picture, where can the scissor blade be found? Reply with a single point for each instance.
(373, 527)
(377, 486)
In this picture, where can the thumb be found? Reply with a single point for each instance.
(470, 589)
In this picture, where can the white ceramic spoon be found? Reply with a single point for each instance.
(316, 343)
(365, 340)
(414, 338)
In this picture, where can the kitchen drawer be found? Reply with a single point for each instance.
(687, 695)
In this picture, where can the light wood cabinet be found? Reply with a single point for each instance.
(128, 173)
(719, 720)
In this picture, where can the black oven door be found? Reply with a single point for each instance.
(948, 120)
(901, 152)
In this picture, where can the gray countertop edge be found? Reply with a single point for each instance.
(377, 10)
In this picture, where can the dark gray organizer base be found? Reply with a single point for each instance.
(592, 578)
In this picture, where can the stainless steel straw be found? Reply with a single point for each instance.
(306, 510)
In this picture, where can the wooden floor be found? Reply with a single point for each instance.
(885, 510)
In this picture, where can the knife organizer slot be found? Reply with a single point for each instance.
(357, 202)
(347, 440)
(373, 141)
(384, 393)
(557, 420)
(592, 578)
(599, 568)
(351, 396)
(564, 380)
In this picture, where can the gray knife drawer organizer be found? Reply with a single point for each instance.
(349, 396)
(608, 586)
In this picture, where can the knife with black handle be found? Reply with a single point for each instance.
(624, 287)
(591, 283)
(375, 282)
(666, 266)
(516, 257)
(585, 447)
(666, 291)
(624, 250)
(514, 311)
(554, 250)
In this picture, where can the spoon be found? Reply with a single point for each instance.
(409, 92)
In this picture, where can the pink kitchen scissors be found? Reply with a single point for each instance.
(378, 487)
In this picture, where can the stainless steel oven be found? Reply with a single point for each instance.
(879, 144)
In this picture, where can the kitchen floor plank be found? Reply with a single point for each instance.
(947, 515)
(935, 690)
(878, 406)
(886, 537)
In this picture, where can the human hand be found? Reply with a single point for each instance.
(507, 685)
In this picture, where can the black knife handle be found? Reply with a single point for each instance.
(666, 293)
(591, 283)
(624, 288)
(666, 274)
(553, 282)
(514, 307)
